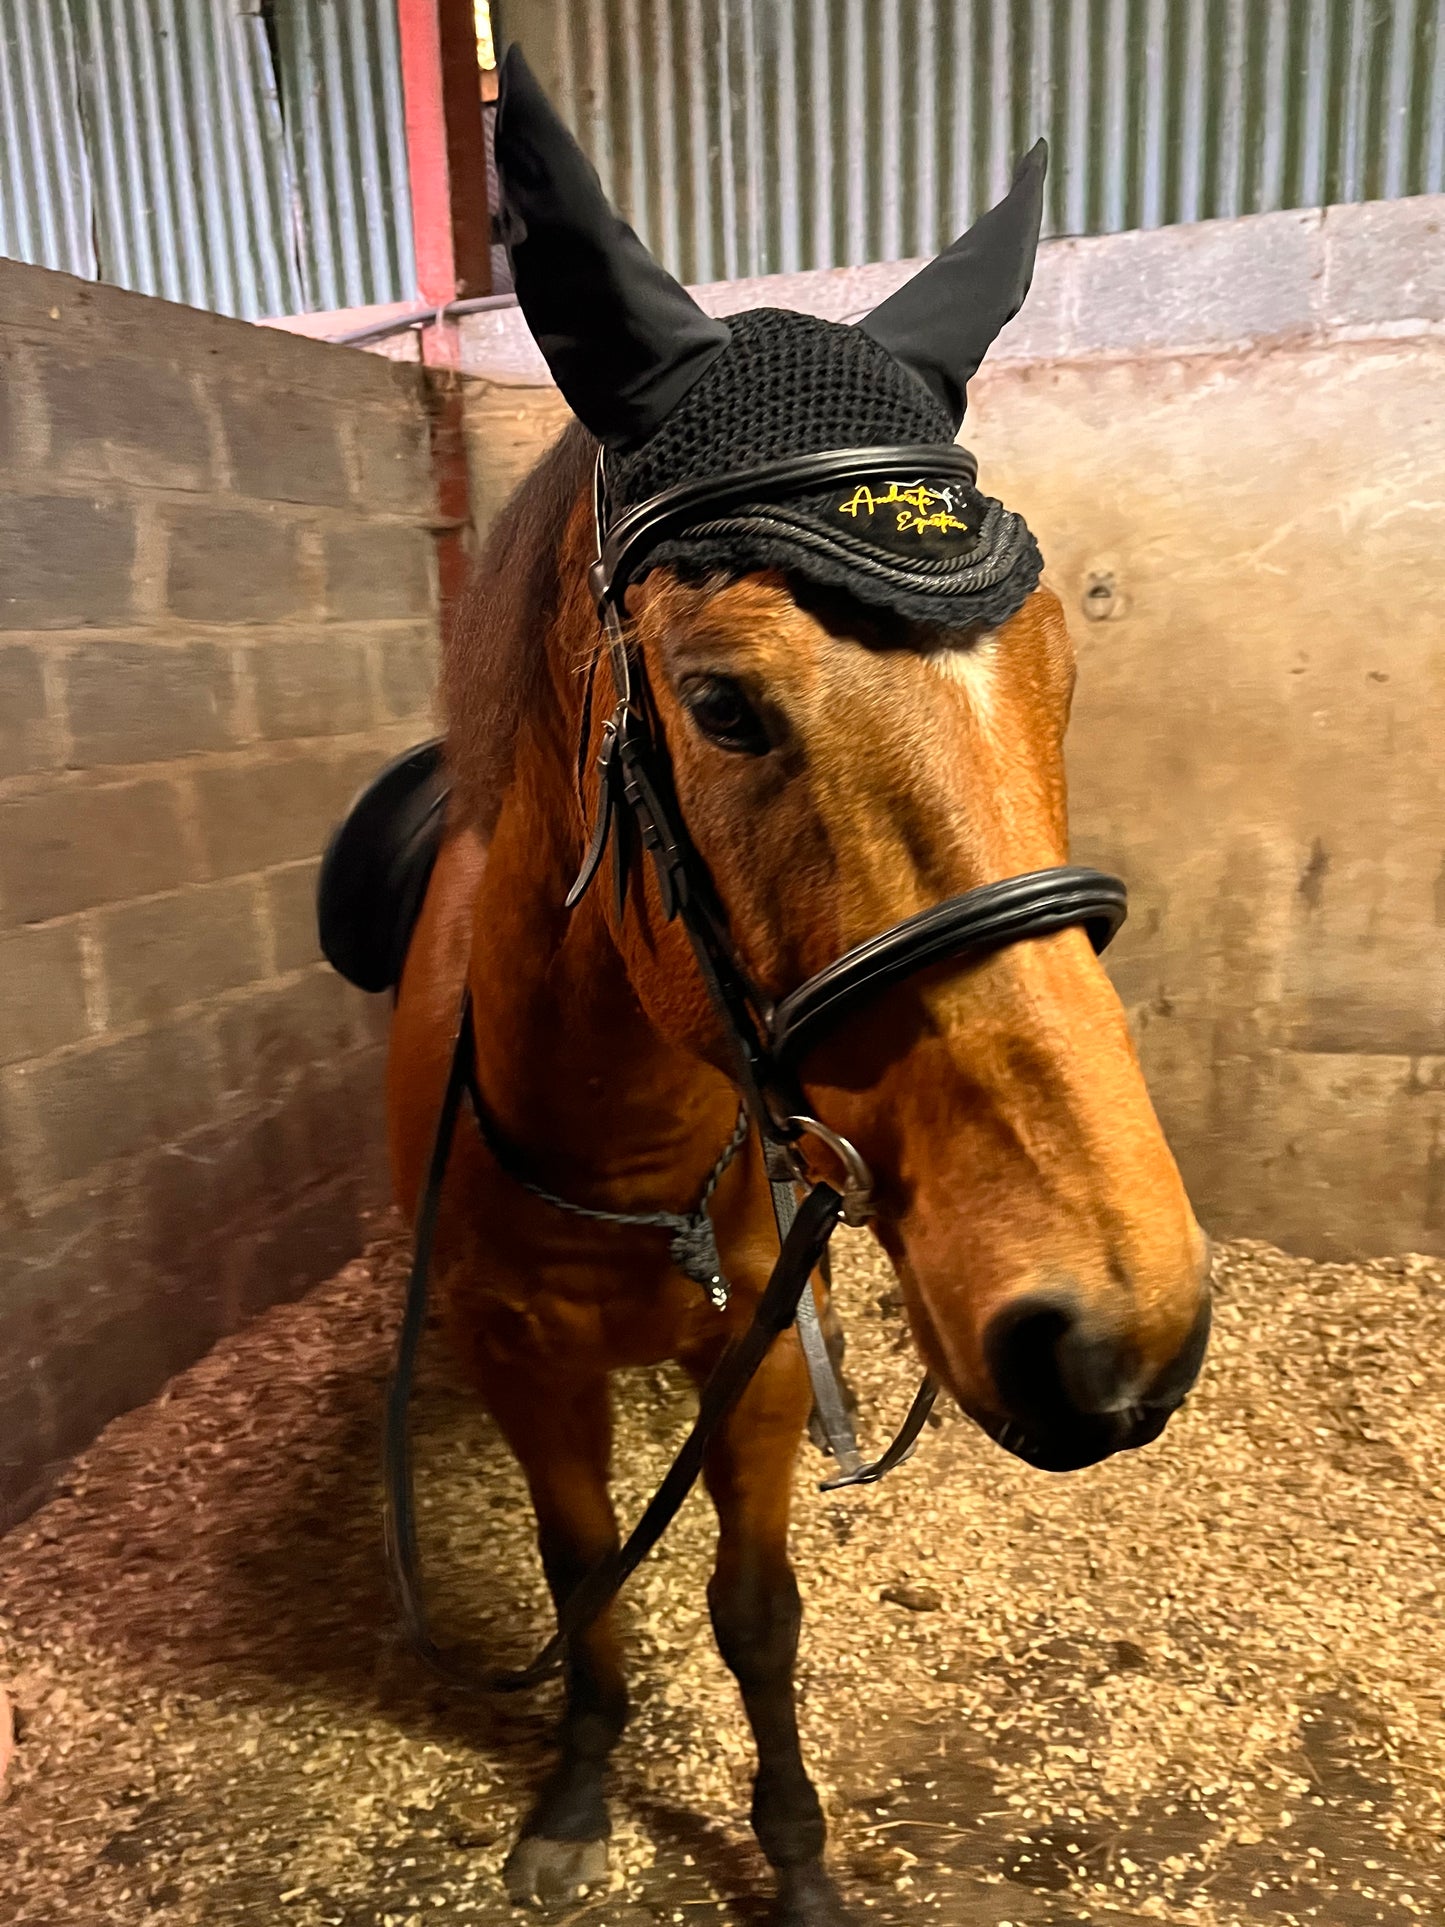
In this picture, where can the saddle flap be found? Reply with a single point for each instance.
(377, 865)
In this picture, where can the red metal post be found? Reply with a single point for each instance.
(446, 155)
(451, 471)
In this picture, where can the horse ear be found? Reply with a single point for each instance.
(942, 323)
(623, 340)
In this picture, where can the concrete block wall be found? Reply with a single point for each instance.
(218, 615)
(1230, 440)
(1366, 272)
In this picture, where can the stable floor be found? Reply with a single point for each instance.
(1197, 1685)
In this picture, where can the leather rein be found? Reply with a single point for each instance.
(636, 810)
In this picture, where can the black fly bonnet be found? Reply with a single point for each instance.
(682, 401)
(918, 540)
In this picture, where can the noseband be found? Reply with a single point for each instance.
(769, 1040)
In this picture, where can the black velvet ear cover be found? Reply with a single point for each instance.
(677, 397)
(942, 323)
(624, 341)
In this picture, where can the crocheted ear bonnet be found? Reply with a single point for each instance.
(676, 396)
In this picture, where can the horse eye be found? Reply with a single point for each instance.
(724, 715)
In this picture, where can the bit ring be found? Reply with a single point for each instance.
(857, 1178)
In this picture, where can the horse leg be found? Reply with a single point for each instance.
(561, 1434)
(756, 1616)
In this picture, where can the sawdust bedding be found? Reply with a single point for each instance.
(1197, 1685)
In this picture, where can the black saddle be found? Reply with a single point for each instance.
(377, 866)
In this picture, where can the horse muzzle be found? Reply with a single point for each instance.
(1072, 1395)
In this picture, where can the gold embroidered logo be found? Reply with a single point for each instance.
(921, 507)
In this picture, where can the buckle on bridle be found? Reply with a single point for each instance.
(857, 1190)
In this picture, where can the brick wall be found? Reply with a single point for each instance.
(217, 617)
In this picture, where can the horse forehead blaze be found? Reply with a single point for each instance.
(933, 765)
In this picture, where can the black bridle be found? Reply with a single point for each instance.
(636, 808)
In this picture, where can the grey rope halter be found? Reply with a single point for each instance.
(693, 1245)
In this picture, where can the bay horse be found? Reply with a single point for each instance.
(839, 768)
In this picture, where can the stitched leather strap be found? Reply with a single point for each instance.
(663, 515)
(828, 1400)
(979, 922)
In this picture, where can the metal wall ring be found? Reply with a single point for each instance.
(857, 1178)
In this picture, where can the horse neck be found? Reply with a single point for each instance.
(566, 1056)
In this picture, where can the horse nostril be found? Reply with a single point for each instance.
(1048, 1365)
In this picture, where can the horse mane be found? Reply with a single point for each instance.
(493, 654)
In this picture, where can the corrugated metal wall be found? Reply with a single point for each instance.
(340, 71)
(249, 155)
(45, 206)
(183, 135)
(756, 136)
(238, 156)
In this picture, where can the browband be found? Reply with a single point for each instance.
(623, 546)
